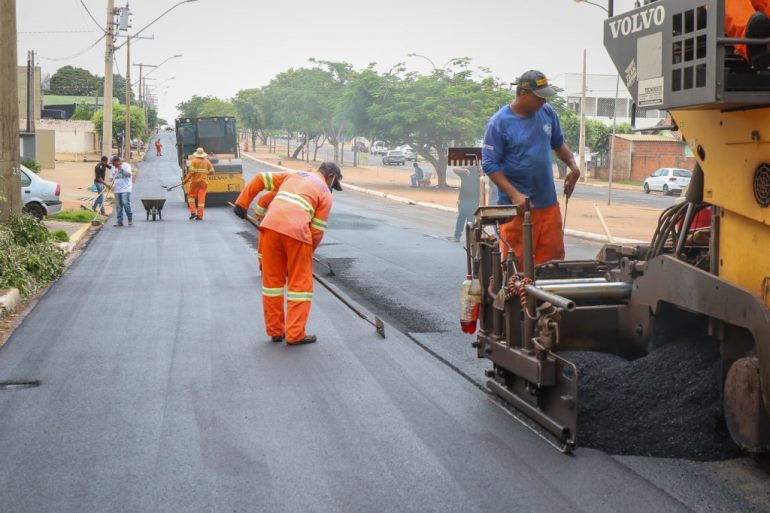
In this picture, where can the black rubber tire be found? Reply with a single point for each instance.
(646, 188)
(666, 190)
(35, 209)
(153, 216)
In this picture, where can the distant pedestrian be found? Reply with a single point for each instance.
(197, 175)
(100, 173)
(468, 198)
(121, 178)
(417, 176)
(158, 148)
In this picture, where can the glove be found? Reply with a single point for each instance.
(239, 211)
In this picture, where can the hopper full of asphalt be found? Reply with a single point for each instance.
(666, 404)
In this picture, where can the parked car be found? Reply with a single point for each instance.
(409, 153)
(40, 197)
(379, 148)
(394, 157)
(667, 179)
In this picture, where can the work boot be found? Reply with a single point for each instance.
(758, 27)
(118, 224)
(192, 216)
(309, 339)
(130, 222)
(199, 219)
(276, 338)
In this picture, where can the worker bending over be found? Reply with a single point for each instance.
(197, 175)
(291, 230)
(516, 156)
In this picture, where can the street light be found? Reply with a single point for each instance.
(609, 9)
(435, 69)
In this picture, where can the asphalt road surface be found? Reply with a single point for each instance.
(160, 392)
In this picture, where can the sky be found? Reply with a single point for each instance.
(228, 45)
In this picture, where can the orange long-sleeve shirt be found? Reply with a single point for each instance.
(199, 170)
(300, 208)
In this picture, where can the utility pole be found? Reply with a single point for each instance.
(10, 187)
(30, 91)
(107, 101)
(612, 140)
(582, 150)
(127, 135)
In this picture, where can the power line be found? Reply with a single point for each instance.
(58, 31)
(92, 17)
(74, 55)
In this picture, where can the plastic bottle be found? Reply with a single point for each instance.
(470, 301)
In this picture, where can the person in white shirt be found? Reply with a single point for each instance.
(121, 176)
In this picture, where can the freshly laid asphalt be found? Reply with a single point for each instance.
(159, 391)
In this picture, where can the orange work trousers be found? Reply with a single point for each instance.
(197, 194)
(737, 14)
(286, 264)
(547, 236)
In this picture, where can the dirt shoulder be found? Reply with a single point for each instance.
(626, 221)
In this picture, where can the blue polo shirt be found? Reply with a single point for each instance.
(521, 149)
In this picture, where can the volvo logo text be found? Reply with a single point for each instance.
(638, 22)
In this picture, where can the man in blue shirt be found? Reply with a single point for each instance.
(516, 156)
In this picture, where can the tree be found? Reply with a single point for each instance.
(71, 81)
(217, 107)
(192, 107)
(119, 120)
(432, 112)
(84, 111)
(249, 104)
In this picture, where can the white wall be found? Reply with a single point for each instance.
(72, 136)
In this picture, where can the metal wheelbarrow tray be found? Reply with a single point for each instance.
(153, 208)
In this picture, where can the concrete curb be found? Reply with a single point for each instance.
(69, 247)
(9, 301)
(589, 236)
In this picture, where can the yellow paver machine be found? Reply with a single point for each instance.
(672, 55)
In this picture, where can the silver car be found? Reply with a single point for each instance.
(39, 196)
(394, 157)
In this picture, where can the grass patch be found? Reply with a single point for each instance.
(60, 236)
(75, 216)
(28, 260)
(630, 182)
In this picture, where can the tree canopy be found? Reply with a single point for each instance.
(119, 120)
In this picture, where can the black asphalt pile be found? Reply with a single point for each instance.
(666, 404)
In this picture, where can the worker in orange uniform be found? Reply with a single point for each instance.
(751, 19)
(197, 175)
(158, 148)
(292, 228)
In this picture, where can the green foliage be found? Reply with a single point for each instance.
(119, 120)
(84, 111)
(74, 216)
(60, 236)
(192, 107)
(217, 107)
(32, 165)
(28, 260)
(71, 81)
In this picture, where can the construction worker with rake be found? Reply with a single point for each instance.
(291, 230)
(197, 175)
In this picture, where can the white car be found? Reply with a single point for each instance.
(379, 148)
(668, 180)
(40, 197)
(409, 153)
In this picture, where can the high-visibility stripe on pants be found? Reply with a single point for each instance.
(286, 262)
(197, 195)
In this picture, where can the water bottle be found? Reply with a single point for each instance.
(470, 301)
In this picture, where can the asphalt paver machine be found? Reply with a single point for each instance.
(672, 55)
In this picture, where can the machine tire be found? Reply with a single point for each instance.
(646, 188)
(666, 190)
(154, 216)
(35, 209)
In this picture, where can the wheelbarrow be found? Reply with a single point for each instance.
(153, 208)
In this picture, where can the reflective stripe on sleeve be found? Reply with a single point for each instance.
(318, 224)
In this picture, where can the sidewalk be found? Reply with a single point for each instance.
(624, 221)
